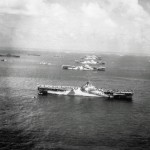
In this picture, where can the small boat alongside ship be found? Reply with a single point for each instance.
(87, 90)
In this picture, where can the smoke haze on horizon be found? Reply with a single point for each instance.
(86, 25)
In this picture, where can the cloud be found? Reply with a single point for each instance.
(10, 4)
(93, 10)
(118, 25)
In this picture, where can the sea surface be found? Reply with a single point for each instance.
(32, 122)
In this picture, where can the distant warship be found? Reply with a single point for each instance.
(83, 67)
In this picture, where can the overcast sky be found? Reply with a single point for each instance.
(93, 25)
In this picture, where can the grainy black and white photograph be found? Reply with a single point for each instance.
(74, 74)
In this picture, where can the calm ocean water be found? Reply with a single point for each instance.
(29, 121)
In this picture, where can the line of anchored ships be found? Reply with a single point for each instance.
(87, 63)
(86, 90)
